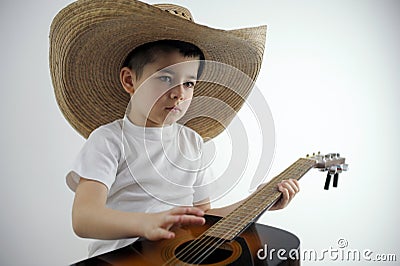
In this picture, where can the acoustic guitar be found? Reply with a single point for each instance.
(233, 240)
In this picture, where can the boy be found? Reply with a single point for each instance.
(129, 180)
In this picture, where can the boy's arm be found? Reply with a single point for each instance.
(92, 219)
(289, 188)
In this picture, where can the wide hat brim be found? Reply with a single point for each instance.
(89, 40)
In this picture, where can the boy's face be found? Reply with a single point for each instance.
(163, 93)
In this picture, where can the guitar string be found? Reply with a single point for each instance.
(203, 242)
(239, 225)
(198, 242)
(197, 258)
(220, 240)
(211, 243)
(245, 221)
(253, 215)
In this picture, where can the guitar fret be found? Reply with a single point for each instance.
(225, 233)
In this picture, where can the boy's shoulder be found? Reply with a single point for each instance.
(109, 130)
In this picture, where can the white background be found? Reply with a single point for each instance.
(330, 76)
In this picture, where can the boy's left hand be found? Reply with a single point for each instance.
(289, 188)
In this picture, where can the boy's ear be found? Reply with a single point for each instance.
(127, 78)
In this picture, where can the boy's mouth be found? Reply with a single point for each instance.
(174, 108)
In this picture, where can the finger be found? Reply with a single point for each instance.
(289, 188)
(161, 233)
(285, 196)
(190, 219)
(182, 219)
(187, 210)
(294, 184)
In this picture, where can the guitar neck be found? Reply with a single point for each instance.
(234, 223)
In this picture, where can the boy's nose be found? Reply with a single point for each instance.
(177, 92)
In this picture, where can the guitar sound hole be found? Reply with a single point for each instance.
(202, 254)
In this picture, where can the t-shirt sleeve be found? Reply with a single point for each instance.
(97, 160)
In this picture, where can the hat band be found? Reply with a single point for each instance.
(176, 10)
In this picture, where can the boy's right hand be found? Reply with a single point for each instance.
(156, 226)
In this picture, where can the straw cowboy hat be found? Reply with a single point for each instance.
(90, 39)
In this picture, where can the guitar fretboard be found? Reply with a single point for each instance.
(234, 223)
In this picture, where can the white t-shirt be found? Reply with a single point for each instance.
(146, 169)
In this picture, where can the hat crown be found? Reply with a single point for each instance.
(176, 10)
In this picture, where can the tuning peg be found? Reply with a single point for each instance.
(333, 169)
(330, 163)
(320, 158)
(327, 181)
(335, 179)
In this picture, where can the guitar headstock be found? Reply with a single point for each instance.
(325, 162)
(331, 162)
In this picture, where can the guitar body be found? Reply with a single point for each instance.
(241, 251)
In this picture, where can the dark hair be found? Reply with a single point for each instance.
(147, 53)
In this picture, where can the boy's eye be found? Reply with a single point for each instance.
(165, 79)
(189, 84)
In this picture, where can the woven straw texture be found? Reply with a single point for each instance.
(89, 40)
